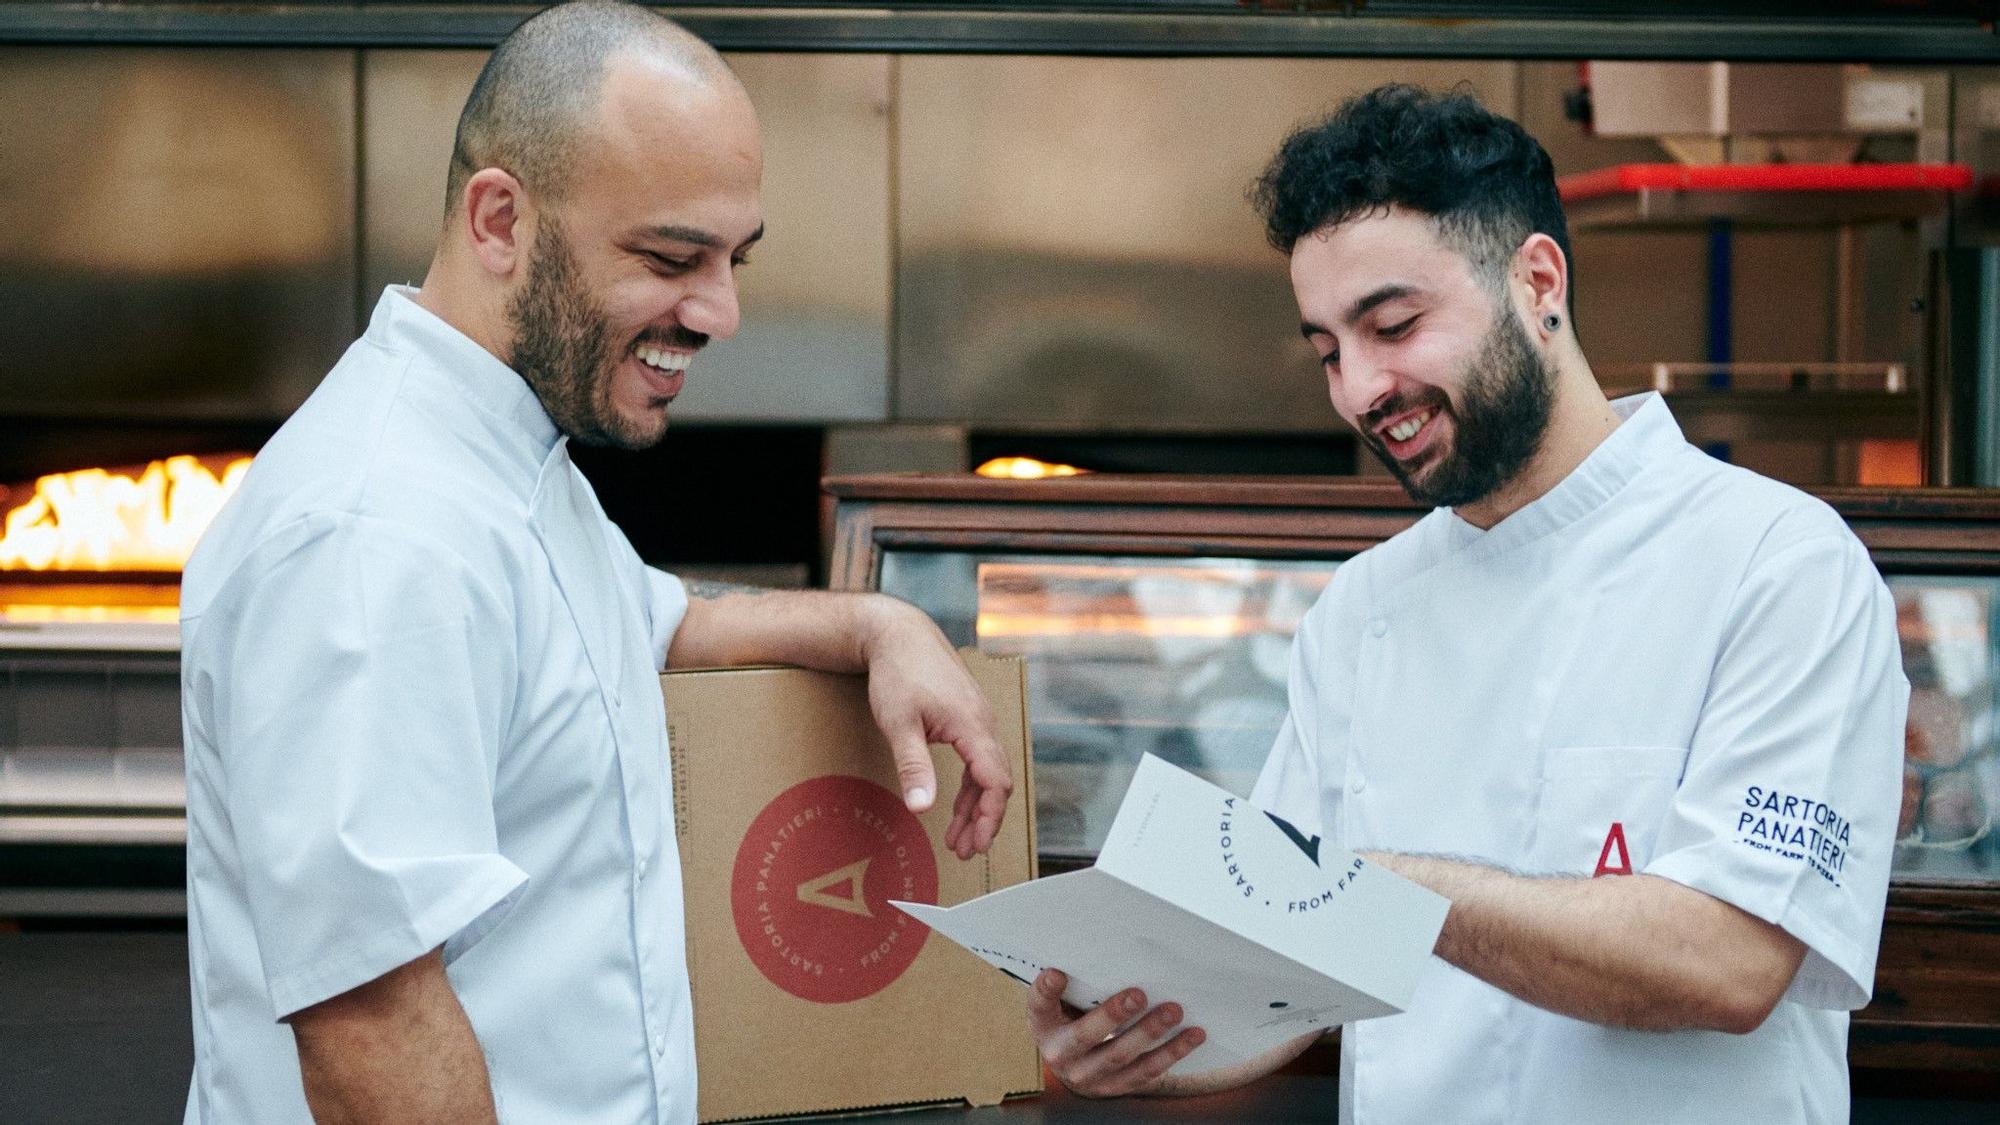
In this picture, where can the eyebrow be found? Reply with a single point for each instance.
(1361, 308)
(695, 236)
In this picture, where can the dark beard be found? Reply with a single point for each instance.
(1498, 428)
(562, 347)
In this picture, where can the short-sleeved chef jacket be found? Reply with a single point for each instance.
(1666, 665)
(421, 709)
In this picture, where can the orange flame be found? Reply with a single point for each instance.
(98, 520)
(1025, 468)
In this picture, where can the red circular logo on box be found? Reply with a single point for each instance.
(812, 884)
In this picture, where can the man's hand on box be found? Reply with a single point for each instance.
(919, 691)
(921, 694)
(1089, 1053)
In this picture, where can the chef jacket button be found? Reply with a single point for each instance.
(1357, 784)
(659, 1044)
(642, 868)
(1378, 627)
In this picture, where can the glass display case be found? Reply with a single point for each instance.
(1184, 658)
(1156, 615)
(1951, 760)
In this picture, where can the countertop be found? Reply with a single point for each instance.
(94, 1027)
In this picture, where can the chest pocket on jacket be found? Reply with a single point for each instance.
(1600, 808)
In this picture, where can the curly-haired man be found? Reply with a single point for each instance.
(1637, 713)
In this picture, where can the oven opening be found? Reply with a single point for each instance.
(106, 545)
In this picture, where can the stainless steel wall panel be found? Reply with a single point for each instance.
(176, 228)
(815, 338)
(409, 110)
(1975, 140)
(814, 341)
(1075, 248)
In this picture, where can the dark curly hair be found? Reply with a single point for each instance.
(1486, 183)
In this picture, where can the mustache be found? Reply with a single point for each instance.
(676, 337)
(1398, 405)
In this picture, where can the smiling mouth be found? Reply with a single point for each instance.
(1409, 427)
(661, 359)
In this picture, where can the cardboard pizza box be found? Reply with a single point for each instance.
(812, 994)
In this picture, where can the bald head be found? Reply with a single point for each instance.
(538, 96)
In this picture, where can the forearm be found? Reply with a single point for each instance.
(919, 692)
(398, 1049)
(731, 626)
(1631, 951)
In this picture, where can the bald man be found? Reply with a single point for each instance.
(431, 863)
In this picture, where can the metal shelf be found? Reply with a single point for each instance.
(1633, 195)
(1808, 416)
(1941, 34)
(92, 902)
(1815, 377)
(89, 636)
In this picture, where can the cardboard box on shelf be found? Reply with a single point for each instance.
(812, 994)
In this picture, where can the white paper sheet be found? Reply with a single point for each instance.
(1202, 899)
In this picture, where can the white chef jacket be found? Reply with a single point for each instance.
(1665, 665)
(421, 709)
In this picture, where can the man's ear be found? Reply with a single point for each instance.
(495, 221)
(1541, 279)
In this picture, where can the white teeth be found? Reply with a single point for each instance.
(1404, 431)
(661, 358)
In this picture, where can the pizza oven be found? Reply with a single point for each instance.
(97, 518)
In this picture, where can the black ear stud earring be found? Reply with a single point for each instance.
(1552, 322)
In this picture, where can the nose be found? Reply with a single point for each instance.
(1361, 385)
(711, 306)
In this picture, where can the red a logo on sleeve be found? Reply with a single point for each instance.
(1614, 839)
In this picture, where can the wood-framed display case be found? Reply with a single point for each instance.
(1157, 614)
